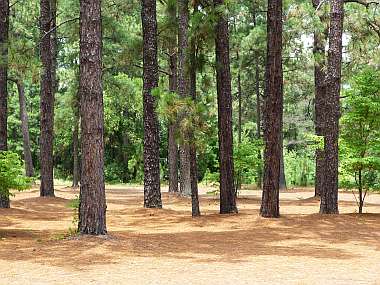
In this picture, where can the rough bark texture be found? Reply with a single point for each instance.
(92, 209)
(329, 195)
(273, 111)
(320, 38)
(172, 128)
(4, 27)
(152, 191)
(29, 168)
(183, 89)
(240, 114)
(223, 80)
(46, 102)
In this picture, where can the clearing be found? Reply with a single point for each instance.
(169, 247)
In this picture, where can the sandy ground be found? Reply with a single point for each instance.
(169, 247)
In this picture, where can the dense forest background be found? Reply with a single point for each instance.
(122, 79)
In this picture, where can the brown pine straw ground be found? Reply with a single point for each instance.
(169, 247)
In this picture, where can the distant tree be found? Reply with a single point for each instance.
(92, 208)
(152, 192)
(29, 168)
(360, 132)
(273, 112)
(329, 195)
(223, 82)
(4, 29)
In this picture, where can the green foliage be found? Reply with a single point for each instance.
(11, 173)
(360, 131)
(299, 168)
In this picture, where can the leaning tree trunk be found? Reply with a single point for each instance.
(92, 209)
(152, 192)
(329, 195)
(183, 90)
(273, 112)
(4, 27)
(172, 128)
(29, 169)
(223, 80)
(320, 39)
(46, 102)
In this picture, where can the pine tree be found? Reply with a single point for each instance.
(92, 208)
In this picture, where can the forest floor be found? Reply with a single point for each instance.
(146, 246)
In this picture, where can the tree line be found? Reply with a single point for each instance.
(177, 35)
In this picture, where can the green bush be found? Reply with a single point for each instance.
(299, 168)
(12, 173)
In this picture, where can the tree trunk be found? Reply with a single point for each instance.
(172, 128)
(193, 150)
(4, 27)
(223, 80)
(29, 169)
(92, 209)
(152, 191)
(183, 89)
(46, 102)
(282, 182)
(361, 199)
(76, 171)
(320, 39)
(273, 111)
(329, 195)
(258, 123)
(238, 178)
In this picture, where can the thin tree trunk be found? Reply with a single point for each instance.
(329, 195)
(193, 150)
(172, 128)
(4, 28)
(29, 169)
(223, 80)
(273, 111)
(152, 191)
(183, 90)
(361, 200)
(76, 171)
(239, 178)
(92, 209)
(258, 122)
(320, 39)
(282, 165)
(46, 102)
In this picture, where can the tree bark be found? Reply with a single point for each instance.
(223, 80)
(240, 111)
(273, 111)
(320, 39)
(92, 209)
(29, 168)
(361, 199)
(46, 102)
(329, 195)
(152, 191)
(4, 28)
(183, 90)
(172, 128)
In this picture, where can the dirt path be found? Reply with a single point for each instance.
(169, 247)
